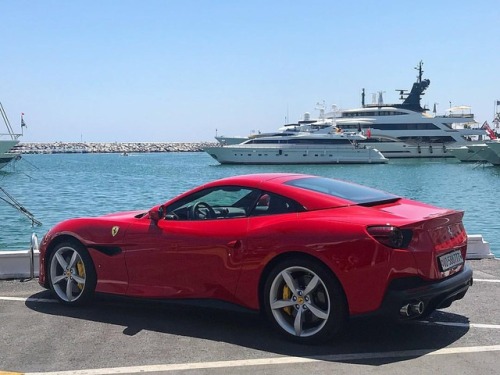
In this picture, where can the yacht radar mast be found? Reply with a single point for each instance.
(411, 100)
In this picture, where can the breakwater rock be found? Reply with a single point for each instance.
(115, 147)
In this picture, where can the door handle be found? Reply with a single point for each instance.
(235, 244)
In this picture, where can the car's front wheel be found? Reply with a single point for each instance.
(304, 301)
(72, 276)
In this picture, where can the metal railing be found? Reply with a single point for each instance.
(34, 246)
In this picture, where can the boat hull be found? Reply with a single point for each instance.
(6, 159)
(391, 150)
(465, 154)
(489, 151)
(401, 150)
(291, 155)
(5, 156)
(494, 147)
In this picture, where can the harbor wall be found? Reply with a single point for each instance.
(109, 147)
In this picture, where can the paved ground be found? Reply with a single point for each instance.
(115, 336)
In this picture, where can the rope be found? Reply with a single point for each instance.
(11, 201)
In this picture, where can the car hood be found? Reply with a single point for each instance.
(125, 215)
(106, 229)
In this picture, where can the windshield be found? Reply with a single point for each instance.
(342, 189)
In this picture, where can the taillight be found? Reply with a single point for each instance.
(391, 236)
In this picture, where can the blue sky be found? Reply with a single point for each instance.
(121, 70)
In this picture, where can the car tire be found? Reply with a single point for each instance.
(304, 301)
(71, 273)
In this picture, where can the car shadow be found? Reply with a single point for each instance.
(362, 342)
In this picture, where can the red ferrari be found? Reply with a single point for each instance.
(308, 251)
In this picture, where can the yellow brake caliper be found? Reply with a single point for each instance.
(81, 272)
(287, 294)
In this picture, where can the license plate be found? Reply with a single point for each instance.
(451, 260)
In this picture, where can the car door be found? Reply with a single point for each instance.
(192, 256)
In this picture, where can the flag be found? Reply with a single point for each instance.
(23, 124)
(498, 102)
(368, 133)
(490, 132)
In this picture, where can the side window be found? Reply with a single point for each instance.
(215, 203)
(272, 204)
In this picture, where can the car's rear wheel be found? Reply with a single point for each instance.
(71, 272)
(304, 301)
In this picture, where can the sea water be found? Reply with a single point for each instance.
(60, 186)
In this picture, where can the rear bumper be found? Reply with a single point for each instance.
(406, 293)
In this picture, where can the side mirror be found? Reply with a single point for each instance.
(155, 214)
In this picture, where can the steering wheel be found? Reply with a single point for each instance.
(202, 210)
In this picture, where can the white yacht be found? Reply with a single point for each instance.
(307, 124)
(7, 140)
(407, 130)
(299, 148)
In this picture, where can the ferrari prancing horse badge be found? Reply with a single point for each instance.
(114, 230)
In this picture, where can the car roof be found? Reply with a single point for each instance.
(276, 183)
(259, 178)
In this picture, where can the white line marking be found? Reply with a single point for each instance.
(28, 299)
(462, 325)
(272, 361)
(487, 280)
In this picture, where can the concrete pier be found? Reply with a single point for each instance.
(122, 336)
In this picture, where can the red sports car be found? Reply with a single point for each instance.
(306, 250)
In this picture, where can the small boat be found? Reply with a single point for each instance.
(300, 148)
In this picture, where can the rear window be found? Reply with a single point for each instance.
(341, 189)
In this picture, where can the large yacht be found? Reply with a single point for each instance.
(406, 130)
(299, 148)
(7, 140)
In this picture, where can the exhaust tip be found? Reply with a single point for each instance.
(412, 309)
(405, 310)
(417, 308)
